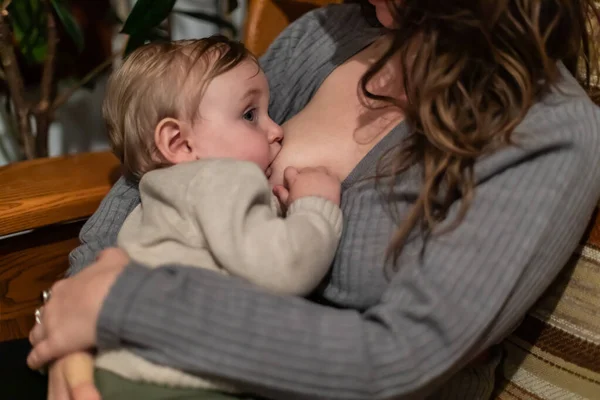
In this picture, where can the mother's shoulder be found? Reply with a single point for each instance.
(566, 113)
(332, 12)
(333, 20)
(563, 125)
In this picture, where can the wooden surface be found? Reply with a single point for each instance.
(29, 264)
(49, 191)
(46, 201)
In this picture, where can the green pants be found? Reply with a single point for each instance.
(113, 387)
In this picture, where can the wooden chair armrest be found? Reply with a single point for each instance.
(54, 190)
(43, 204)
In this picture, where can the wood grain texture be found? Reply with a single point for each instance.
(53, 190)
(43, 196)
(29, 264)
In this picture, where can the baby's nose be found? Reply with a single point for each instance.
(275, 133)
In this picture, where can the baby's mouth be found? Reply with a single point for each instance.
(268, 171)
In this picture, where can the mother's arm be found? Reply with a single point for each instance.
(101, 230)
(468, 290)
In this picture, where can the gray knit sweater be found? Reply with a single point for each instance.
(368, 337)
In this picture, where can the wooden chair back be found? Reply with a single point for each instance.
(266, 19)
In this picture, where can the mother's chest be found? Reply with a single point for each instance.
(336, 129)
(357, 278)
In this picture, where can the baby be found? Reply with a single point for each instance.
(189, 120)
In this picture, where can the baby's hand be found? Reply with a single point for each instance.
(308, 182)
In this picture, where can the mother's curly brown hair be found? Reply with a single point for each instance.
(479, 67)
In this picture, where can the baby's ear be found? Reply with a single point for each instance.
(171, 142)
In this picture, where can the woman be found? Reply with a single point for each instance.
(478, 134)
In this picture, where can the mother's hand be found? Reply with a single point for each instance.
(68, 321)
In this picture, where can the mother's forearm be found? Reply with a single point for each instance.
(281, 347)
(217, 326)
(101, 229)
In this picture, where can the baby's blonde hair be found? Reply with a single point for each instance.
(155, 82)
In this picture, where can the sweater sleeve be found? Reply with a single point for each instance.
(101, 230)
(462, 294)
(247, 237)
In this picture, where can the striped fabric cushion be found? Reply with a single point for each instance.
(555, 353)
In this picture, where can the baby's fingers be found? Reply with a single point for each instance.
(290, 174)
(282, 193)
(320, 169)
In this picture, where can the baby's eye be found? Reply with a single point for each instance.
(250, 115)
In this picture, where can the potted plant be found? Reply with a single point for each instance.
(30, 33)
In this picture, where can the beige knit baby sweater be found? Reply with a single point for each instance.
(221, 215)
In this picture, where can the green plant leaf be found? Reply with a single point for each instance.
(147, 14)
(39, 51)
(28, 20)
(133, 42)
(71, 26)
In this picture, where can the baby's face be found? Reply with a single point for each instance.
(234, 120)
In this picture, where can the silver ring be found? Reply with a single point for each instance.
(46, 295)
(38, 316)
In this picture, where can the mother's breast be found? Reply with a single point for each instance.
(310, 140)
(335, 129)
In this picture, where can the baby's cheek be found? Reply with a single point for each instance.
(254, 152)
